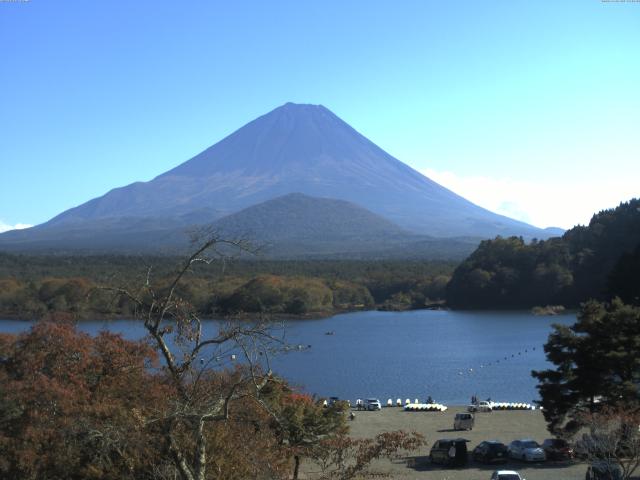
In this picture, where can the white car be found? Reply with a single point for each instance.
(506, 475)
(527, 450)
(483, 406)
(463, 421)
(373, 404)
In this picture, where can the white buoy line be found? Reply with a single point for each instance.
(497, 362)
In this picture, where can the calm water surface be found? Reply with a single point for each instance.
(448, 355)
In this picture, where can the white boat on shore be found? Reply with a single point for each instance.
(425, 407)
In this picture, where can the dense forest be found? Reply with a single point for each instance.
(33, 286)
(598, 261)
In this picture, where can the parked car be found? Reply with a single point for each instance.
(463, 421)
(451, 452)
(603, 470)
(373, 404)
(491, 451)
(483, 406)
(557, 449)
(506, 475)
(527, 450)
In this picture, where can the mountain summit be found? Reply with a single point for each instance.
(294, 148)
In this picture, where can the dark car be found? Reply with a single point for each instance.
(451, 452)
(491, 451)
(557, 449)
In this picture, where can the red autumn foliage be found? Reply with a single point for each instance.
(73, 406)
(295, 397)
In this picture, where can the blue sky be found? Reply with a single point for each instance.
(531, 109)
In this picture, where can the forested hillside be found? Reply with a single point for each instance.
(33, 286)
(598, 261)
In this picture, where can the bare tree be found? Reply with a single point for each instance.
(612, 442)
(194, 359)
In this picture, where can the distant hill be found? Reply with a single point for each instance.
(299, 217)
(599, 261)
(300, 226)
(294, 148)
(554, 231)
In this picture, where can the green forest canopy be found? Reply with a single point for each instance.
(33, 286)
(598, 261)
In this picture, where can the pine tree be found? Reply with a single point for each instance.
(597, 364)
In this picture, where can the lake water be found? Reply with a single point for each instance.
(448, 355)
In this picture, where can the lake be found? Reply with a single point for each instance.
(447, 355)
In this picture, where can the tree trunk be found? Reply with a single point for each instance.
(296, 467)
(180, 462)
(201, 454)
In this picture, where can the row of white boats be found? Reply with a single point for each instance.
(437, 407)
(430, 406)
(514, 406)
(425, 407)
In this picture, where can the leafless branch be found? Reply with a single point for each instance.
(177, 332)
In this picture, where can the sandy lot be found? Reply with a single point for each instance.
(503, 425)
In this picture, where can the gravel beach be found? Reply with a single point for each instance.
(499, 425)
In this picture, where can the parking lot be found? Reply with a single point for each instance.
(504, 426)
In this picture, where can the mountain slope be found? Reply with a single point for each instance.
(114, 234)
(299, 148)
(290, 226)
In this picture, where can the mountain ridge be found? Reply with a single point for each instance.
(293, 148)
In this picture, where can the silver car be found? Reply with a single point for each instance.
(373, 404)
(527, 450)
(483, 406)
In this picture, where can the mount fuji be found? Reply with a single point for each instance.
(296, 148)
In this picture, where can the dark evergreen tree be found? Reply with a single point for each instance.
(624, 280)
(597, 363)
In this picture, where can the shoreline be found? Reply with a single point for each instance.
(317, 315)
